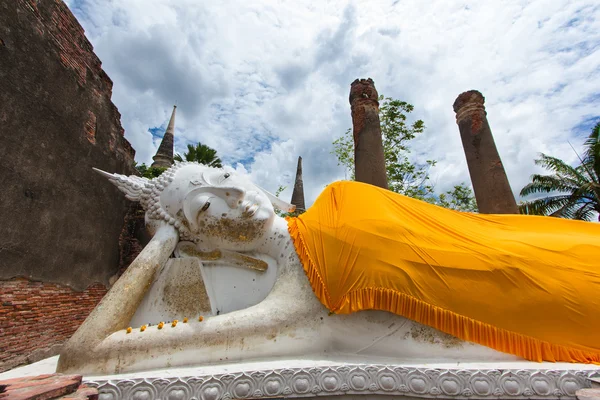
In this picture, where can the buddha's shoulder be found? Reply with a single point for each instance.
(351, 186)
(345, 190)
(349, 196)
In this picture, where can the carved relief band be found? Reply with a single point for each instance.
(368, 380)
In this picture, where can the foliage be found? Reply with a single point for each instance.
(460, 198)
(279, 212)
(279, 190)
(202, 154)
(404, 176)
(149, 172)
(574, 192)
(199, 153)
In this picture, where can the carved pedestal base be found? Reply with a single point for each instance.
(352, 381)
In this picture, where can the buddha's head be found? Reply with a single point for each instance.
(209, 206)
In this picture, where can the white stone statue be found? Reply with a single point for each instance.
(235, 265)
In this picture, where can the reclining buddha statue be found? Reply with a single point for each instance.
(364, 274)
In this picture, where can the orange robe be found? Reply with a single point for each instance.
(524, 285)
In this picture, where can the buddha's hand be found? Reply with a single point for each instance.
(217, 256)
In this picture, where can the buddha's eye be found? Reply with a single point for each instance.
(227, 175)
(205, 206)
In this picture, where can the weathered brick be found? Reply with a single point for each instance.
(61, 221)
(82, 393)
(40, 387)
(54, 322)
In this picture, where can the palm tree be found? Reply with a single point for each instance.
(202, 154)
(574, 192)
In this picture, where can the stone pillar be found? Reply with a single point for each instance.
(369, 162)
(298, 194)
(490, 183)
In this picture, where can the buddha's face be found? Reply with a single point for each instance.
(220, 209)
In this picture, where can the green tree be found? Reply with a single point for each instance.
(149, 172)
(573, 192)
(460, 198)
(281, 213)
(199, 153)
(404, 176)
(202, 154)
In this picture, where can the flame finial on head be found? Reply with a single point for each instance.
(132, 186)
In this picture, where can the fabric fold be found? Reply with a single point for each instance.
(524, 285)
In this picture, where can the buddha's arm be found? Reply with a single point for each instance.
(267, 330)
(288, 322)
(117, 308)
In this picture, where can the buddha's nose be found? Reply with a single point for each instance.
(233, 196)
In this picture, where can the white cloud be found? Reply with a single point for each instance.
(264, 82)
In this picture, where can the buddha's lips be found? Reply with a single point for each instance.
(250, 206)
(250, 209)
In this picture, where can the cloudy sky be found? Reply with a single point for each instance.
(264, 82)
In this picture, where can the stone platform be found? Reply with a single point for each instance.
(314, 379)
(345, 380)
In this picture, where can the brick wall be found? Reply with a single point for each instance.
(57, 121)
(61, 221)
(37, 317)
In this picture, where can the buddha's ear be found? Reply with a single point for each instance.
(132, 186)
(277, 202)
(192, 204)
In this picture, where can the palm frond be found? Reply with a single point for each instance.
(544, 206)
(562, 169)
(585, 167)
(591, 157)
(592, 144)
(547, 184)
(202, 154)
(580, 211)
(588, 191)
(578, 187)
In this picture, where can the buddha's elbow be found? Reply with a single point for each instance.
(68, 362)
(74, 359)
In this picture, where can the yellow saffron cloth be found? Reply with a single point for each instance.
(524, 285)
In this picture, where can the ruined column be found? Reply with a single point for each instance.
(369, 162)
(490, 183)
(298, 194)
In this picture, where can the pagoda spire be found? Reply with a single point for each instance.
(164, 155)
(298, 194)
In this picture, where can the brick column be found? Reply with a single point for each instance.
(369, 163)
(490, 183)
